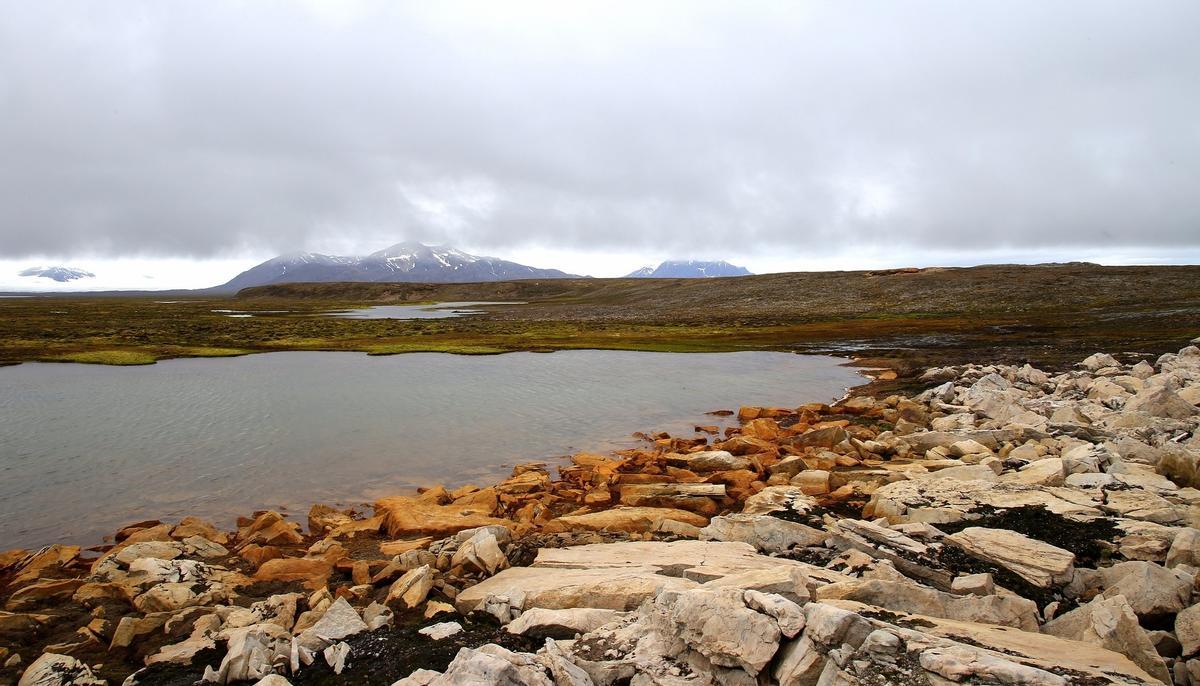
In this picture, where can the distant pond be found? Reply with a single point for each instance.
(85, 449)
(434, 311)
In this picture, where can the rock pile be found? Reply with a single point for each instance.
(1005, 526)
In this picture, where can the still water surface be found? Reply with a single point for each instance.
(436, 311)
(85, 449)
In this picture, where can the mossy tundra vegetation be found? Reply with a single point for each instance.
(904, 319)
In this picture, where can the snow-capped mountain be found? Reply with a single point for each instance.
(408, 261)
(60, 274)
(688, 269)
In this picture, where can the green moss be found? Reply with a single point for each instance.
(113, 357)
(1047, 315)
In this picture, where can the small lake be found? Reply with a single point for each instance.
(434, 311)
(85, 449)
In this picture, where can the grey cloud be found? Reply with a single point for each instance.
(209, 128)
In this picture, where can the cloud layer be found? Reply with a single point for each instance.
(217, 129)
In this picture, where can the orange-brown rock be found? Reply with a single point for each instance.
(313, 572)
(642, 478)
(258, 554)
(624, 519)
(20, 626)
(92, 594)
(45, 562)
(270, 528)
(746, 445)
(707, 428)
(531, 512)
(826, 437)
(681, 475)
(193, 526)
(463, 491)
(737, 482)
(766, 429)
(599, 496)
(370, 525)
(33, 595)
(697, 497)
(8, 558)
(406, 517)
(360, 573)
(130, 529)
(748, 413)
(322, 519)
(831, 424)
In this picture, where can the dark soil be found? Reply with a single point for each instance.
(378, 658)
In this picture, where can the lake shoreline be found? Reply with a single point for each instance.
(794, 517)
(193, 437)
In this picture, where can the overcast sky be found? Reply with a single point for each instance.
(186, 140)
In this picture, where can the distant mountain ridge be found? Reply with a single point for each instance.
(59, 274)
(407, 261)
(689, 269)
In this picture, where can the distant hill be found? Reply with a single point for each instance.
(60, 274)
(403, 262)
(689, 269)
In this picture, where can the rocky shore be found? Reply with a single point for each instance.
(1006, 525)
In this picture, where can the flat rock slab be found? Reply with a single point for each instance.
(620, 576)
(1041, 564)
(951, 500)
